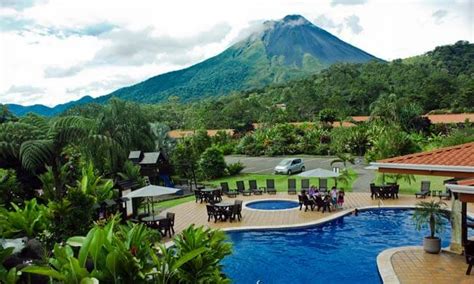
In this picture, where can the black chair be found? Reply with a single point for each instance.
(237, 210)
(199, 196)
(227, 191)
(241, 188)
(394, 191)
(212, 213)
(253, 187)
(164, 226)
(217, 196)
(469, 253)
(171, 216)
(291, 186)
(424, 190)
(271, 186)
(373, 191)
(304, 200)
(305, 184)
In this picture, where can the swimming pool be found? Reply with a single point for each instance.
(340, 251)
(272, 204)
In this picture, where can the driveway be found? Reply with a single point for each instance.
(265, 165)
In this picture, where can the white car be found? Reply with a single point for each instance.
(290, 166)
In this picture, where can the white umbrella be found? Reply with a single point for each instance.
(319, 173)
(151, 191)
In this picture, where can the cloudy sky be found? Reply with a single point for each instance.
(54, 51)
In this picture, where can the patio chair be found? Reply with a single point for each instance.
(323, 184)
(304, 200)
(199, 196)
(237, 209)
(241, 188)
(253, 187)
(271, 186)
(217, 196)
(373, 190)
(394, 191)
(425, 189)
(305, 184)
(469, 253)
(164, 226)
(291, 186)
(446, 195)
(227, 191)
(212, 213)
(171, 216)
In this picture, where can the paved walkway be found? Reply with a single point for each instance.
(195, 213)
(417, 267)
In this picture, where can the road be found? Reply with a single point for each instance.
(265, 165)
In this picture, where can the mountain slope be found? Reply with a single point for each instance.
(287, 49)
(20, 110)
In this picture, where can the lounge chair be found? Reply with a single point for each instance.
(271, 186)
(424, 191)
(227, 191)
(446, 195)
(305, 184)
(253, 187)
(241, 188)
(304, 200)
(323, 184)
(291, 186)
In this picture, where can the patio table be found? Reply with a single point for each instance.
(153, 218)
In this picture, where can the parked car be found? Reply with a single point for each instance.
(290, 166)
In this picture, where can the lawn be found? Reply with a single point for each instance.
(281, 181)
(163, 205)
(414, 186)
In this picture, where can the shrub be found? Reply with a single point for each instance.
(28, 221)
(235, 168)
(212, 163)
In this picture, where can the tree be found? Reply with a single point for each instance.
(328, 115)
(163, 142)
(212, 163)
(63, 132)
(185, 159)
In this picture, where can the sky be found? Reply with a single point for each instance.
(55, 51)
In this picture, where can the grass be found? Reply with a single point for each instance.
(163, 205)
(407, 188)
(281, 181)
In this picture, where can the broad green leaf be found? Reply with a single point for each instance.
(46, 271)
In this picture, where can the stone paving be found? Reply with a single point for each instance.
(417, 267)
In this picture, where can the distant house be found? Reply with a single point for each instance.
(152, 164)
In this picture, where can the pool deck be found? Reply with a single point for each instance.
(413, 265)
(400, 265)
(195, 213)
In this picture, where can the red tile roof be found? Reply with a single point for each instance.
(460, 155)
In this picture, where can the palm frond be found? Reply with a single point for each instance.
(36, 153)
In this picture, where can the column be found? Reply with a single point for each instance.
(456, 225)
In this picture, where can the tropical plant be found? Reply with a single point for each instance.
(344, 177)
(235, 168)
(95, 185)
(7, 276)
(131, 172)
(10, 188)
(163, 142)
(431, 214)
(28, 221)
(206, 267)
(63, 131)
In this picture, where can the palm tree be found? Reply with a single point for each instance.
(343, 158)
(431, 213)
(163, 142)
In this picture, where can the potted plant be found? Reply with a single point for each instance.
(430, 213)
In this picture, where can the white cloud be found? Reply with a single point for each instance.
(347, 2)
(73, 48)
(352, 22)
(439, 15)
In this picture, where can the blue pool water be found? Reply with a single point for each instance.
(340, 251)
(272, 204)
